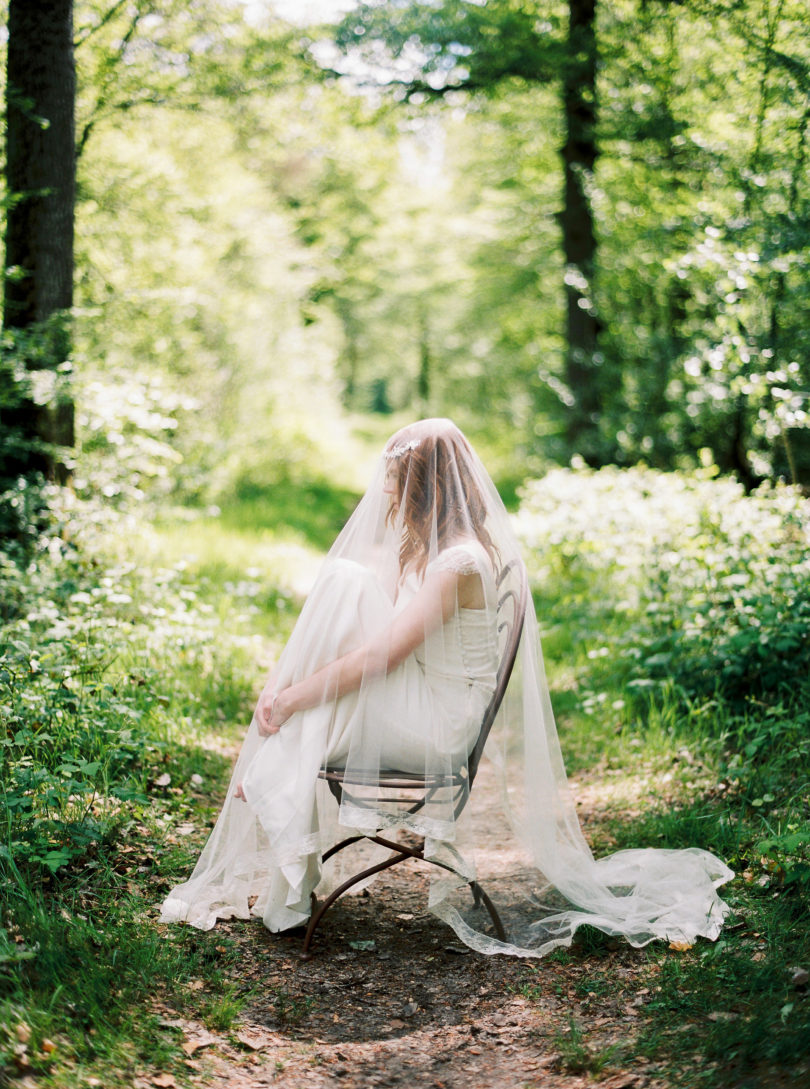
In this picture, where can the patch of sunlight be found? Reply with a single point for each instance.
(226, 742)
(656, 780)
(207, 547)
(613, 789)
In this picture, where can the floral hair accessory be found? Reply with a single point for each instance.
(402, 448)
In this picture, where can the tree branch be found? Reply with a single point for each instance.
(88, 32)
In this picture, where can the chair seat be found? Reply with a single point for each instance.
(396, 780)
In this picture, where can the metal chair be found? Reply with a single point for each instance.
(512, 587)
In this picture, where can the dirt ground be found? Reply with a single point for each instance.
(391, 998)
(418, 1009)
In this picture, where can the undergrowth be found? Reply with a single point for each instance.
(128, 665)
(677, 625)
(122, 684)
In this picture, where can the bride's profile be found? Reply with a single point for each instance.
(392, 666)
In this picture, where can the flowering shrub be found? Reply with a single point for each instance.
(89, 707)
(713, 584)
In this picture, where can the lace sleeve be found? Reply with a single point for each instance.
(463, 559)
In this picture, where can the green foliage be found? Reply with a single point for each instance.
(102, 749)
(459, 43)
(666, 599)
(701, 202)
(314, 509)
(71, 744)
(88, 716)
(711, 584)
(750, 1014)
(127, 454)
(73, 971)
(405, 255)
(27, 388)
(577, 1057)
(222, 1010)
(401, 255)
(702, 195)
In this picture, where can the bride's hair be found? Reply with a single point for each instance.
(436, 492)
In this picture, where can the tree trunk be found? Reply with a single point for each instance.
(40, 176)
(579, 240)
(423, 377)
(350, 354)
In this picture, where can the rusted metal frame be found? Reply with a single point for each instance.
(401, 854)
(324, 907)
(339, 846)
(514, 634)
(478, 896)
(477, 891)
(415, 805)
(388, 777)
(338, 789)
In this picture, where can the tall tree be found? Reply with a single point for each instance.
(40, 177)
(579, 155)
(468, 46)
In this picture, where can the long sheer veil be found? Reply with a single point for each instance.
(518, 834)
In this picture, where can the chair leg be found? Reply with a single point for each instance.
(339, 846)
(324, 907)
(479, 897)
(402, 853)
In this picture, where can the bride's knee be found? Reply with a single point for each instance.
(354, 577)
(340, 568)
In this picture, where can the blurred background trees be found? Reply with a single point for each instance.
(579, 228)
(679, 204)
(36, 410)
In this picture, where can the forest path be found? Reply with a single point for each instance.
(418, 1008)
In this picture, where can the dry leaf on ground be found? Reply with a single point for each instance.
(164, 1081)
(256, 1041)
(200, 1039)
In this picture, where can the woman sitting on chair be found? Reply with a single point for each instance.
(391, 667)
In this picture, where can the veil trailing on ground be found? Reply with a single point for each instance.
(391, 666)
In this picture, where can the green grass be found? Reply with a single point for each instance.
(736, 995)
(121, 707)
(696, 767)
(222, 1011)
(577, 1056)
(97, 965)
(128, 672)
(312, 512)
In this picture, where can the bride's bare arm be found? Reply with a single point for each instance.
(432, 606)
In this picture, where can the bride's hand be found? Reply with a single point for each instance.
(271, 713)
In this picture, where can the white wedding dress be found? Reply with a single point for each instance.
(423, 716)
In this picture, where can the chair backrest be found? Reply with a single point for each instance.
(513, 588)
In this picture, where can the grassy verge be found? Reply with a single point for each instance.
(128, 669)
(677, 639)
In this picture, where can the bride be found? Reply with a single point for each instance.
(391, 666)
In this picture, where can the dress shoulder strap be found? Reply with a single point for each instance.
(465, 558)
